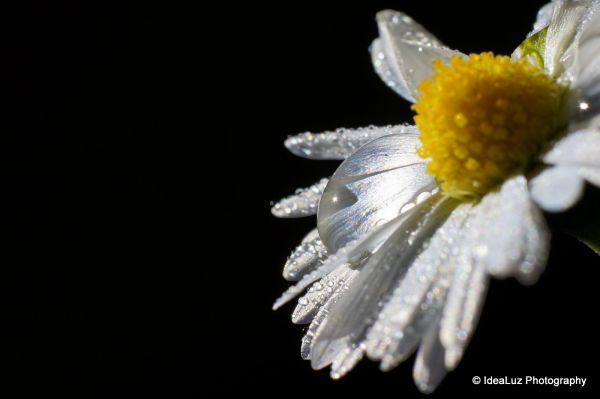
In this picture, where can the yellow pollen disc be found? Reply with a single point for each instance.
(482, 119)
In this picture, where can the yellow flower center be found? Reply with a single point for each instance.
(482, 119)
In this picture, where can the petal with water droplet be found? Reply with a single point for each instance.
(504, 234)
(346, 360)
(420, 294)
(340, 143)
(572, 24)
(307, 256)
(404, 52)
(466, 295)
(370, 188)
(320, 292)
(304, 202)
(429, 369)
(357, 309)
(352, 253)
(505, 228)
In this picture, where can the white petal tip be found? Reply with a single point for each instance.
(557, 189)
(393, 16)
(335, 376)
(453, 357)
(387, 364)
(301, 317)
(423, 387)
(278, 303)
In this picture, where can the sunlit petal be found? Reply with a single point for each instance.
(404, 52)
(371, 187)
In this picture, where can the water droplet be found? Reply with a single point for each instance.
(303, 301)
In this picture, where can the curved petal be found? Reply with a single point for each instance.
(429, 369)
(350, 317)
(571, 54)
(307, 256)
(330, 264)
(502, 229)
(543, 16)
(466, 296)
(340, 143)
(576, 156)
(303, 203)
(564, 28)
(589, 49)
(320, 292)
(345, 361)
(371, 187)
(353, 253)
(505, 234)
(407, 314)
(557, 189)
(580, 148)
(588, 69)
(404, 52)
(308, 340)
(592, 175)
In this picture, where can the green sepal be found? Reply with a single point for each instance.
(533, 47)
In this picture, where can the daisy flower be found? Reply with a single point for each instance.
(415, 221)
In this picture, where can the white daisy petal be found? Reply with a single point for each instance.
(346, 360)
(355, 311)
(589, 48)
(313, 329)
(571, 52)
(580, 148)
(371, 187)
(537, 247)
(588, 69)
(500, 226)
(429, 369)
(352, 253)
(329, 265)
(505, 234)
(564, 26)
(557, 189)
(395, 333)
(340, 143)
(307, 256)
(544, 15)
(404, 52)
(303, 203)
(592, 175)
(404, 345)
(465, 298)
(320, 292)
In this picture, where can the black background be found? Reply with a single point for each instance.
(142, 147)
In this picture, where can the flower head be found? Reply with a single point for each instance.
(414, 222)
(482, 119)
